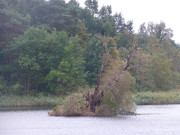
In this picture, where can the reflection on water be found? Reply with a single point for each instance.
(151, 120)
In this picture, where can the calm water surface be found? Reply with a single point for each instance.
(151, 120)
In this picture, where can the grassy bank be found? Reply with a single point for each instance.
(29, 101)
(141, 98)
(153, 98)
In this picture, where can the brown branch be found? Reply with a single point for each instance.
(129, 58)
(131, 52)
(96, 98)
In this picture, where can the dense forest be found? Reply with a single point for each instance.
(54, 47)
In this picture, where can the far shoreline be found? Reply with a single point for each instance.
(49, 102)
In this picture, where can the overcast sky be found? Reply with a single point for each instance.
(146, 11)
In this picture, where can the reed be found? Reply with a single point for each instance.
(153, 98)
(29, 101)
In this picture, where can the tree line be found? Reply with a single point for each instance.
(56, 47)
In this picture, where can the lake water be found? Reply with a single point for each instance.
(151, 120)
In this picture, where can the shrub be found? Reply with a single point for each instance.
(75, 104)
(105, 111)
(126, 104)
(109, 99)
(116, 84)
(57, 111)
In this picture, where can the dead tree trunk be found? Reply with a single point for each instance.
(130, 56)
(128, 63)
(96, 98)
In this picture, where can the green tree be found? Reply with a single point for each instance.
(125, 40)
(158, 74)
(119, 23)
(160, 31)
(54, 14)
(106, 18)
(92, 5)
(34, 54)
(70, 73)
(93, 57)
(27, 58)
(161, 72)
(12, 24)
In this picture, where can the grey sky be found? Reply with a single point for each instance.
(147, 11)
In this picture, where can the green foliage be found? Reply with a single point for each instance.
(17, 89)
(109, 100)
(105, 111)
(54, 14)
(29, 101)
(117, 85)
(28, 63)
(93, 56)
(159, 31)
(124, 39)
(28, 57)
(168, 97)
(12, 24)
(75, 104)
(92, 5)
(38, 52)
(108, 28)
(70, 72)
(161, 72)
